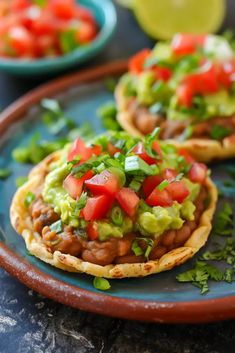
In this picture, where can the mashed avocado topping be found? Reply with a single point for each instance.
(190, 78)
(132, 190)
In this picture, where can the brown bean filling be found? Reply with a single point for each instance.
(113, 250)
(146, 122)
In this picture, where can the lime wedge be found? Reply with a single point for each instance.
(163, 18)
(126, 3)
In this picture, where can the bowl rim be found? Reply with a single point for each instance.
(78, 55)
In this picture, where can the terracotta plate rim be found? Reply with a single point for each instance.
(152, 311)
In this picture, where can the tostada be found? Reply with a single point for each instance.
(187, 88)
(117, 207)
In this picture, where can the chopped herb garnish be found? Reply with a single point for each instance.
(57, 226)
(163, 185)
(107, 114)
(135, 185)
(85, 131)
(224, 221)
(117, 216)
(138, 250)
(68, 41)
(187, 133)
(219, 132)
(148, 143)
(81, 203)
(5, 173)
(30, 197)
(137, 166)
(21, 180)
(101, 283)
(110, 83)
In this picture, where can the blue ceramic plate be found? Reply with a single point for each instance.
(158, 298)
(105, 15)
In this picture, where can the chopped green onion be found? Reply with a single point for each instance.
(57, 226)
(110, 84)
(21, 180)
(107, 114)
(163, 185)
(68, 40)
(117, 216)
(219, 132)
(101, 283)
(136, 248)
(135, 165)
(5, 173)
(143, 206)
(21, 154)
(30, 197)
(100, 168)
(135, 185)
(81, 203)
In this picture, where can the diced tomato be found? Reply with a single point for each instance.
(184, 95)
(178, 191)
(97, 207)
(136, 62)
(170, 174)
(204, 81)
(86, 32)
(150, 183)
(128, 200)
(19, 5)
(140, 151)
(198, 173)
(226, 73)
(79, 149)
(62, 9)
(184, 44)
(44, 45)
(92, 230)
(20, 41)
(187, 156)
(112, 149)
(103, 183)
(162, 73)
(159, 198)
(156, 147)
(74, 185)
(44, 24)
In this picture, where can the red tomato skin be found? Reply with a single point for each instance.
(92, 231)
(170, 174)
(103, 183)
(187, 156)
(150, 183)
(21, 41)
(19, 5)
(112, 149)
(184, 95)
(62, 9)
(86, 32)
(198, 173)
(96, 149)
(97, 207)
(45, 24)
(83, 14)
(178, 191)
(156, 147)
(184, 44)
(136, 62)
(80, 149)
(140, 151)
(74, 185)
(159, 198)
(44, 45)
(128, 200)
(162, 73)
(226, 73)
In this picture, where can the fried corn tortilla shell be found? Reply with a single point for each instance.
(21, 221)
(203, 150)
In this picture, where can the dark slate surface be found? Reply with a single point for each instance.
(30, 323)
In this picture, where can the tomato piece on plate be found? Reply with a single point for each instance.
(136, 62)
(96, 149)
(83, 14)
(170, 174)
(139, 150)
(44, 45)
(44, 24)
(159, 198)
(162, 73)
(92, 230)
(19, 5)
(178, 191)
(97, 207)
(79, 149)
(86, 32)
(184, 44)
(204, 81)
(198, 173)
(150, 183)
(184, 93)
(187, 156)
(74, 185)
(103, 183)
(20, 41)
(226, 74)
(62, 9)
(128, 200)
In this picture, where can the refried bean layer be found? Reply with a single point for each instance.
(146, 122)
(114, 250)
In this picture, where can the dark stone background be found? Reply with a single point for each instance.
(30, 323)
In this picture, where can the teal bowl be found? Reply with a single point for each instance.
(105, 15)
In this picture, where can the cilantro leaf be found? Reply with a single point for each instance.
(5, 173)
(107, 113)
(224, 221)
(219, 132)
